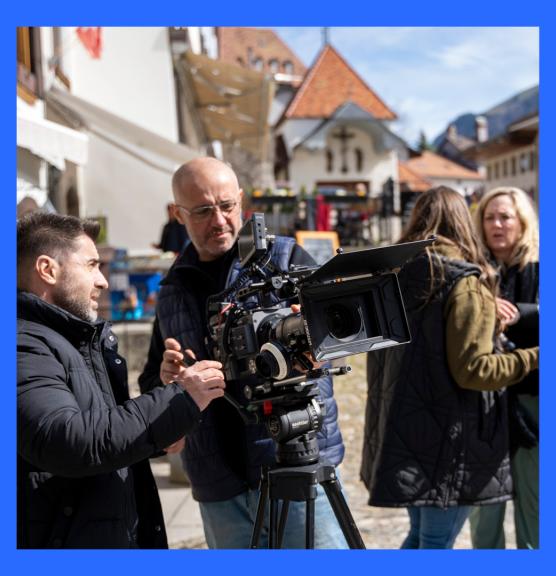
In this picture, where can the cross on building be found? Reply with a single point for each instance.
(343, 135)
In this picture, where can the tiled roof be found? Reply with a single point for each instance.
(328, 84)
(412, 180)
(243, 46)
(431, 165)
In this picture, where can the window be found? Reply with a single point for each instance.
(258, 64)
(56, 62)
(329, 161)
(514, 166)
(496, 171)
(532, 161)
(489, 172)
(28, 69)
(274, 65)
(358, 159)
(288, 67)
(523, 163)
(505, 167)
(24, 47)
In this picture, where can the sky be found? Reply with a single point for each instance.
(430, 76)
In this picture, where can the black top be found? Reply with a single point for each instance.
(174, 237)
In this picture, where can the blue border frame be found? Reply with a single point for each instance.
(286, 13)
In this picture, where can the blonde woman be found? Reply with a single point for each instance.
(507, 224)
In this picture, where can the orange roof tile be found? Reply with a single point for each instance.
(243, 46)
(412, 180)
(431, 165)
(329, 83)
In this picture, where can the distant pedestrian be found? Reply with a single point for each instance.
(436, 430)
(507, 223)
(174, 236)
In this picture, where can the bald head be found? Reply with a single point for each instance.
(208, 203)
(200, 173)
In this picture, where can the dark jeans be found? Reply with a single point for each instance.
(432, 527)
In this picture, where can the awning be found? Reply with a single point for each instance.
(140, 143)
(232, 102)
(39, 196)
(51, 141)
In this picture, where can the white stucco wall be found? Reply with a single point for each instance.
(133, 77)
(129, 192)
(309, 166)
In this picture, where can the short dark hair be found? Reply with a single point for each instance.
(51, 234)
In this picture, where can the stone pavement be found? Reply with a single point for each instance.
(380, 527)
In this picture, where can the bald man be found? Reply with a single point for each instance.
(223, 458)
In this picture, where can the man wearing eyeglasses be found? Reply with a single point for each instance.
(223, 458)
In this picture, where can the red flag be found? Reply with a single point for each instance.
(91, 38)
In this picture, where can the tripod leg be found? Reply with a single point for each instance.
(259, 519)
(309, 523)
(273, 535)
(282, 523)
(343, 514)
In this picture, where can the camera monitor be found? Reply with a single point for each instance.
(252, 240)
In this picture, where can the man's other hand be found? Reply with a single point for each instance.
(203, 381)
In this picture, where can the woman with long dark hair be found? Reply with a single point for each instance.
(436, 430)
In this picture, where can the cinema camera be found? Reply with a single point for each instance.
(350, 304)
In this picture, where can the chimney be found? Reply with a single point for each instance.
(481, 127)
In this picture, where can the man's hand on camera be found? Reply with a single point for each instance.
(203, 381)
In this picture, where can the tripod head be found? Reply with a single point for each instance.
(292, 417)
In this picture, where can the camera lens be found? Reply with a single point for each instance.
(343, 322)
(267, 365)
(273, 361)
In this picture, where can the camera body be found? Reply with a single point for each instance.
(349, 305)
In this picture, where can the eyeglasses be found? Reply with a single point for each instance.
(205, 212)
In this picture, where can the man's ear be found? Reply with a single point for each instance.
(178, 215)
(47, 269)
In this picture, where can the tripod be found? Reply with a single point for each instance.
(299, 483)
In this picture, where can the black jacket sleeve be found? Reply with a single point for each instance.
(150, 377)
(57, 434)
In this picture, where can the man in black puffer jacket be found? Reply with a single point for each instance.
(83, 477)
(223, 457)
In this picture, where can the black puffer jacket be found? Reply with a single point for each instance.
(83, 481)
(429, 442)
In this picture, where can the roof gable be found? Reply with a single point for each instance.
(431, 165)
(329, 83)
(348, 114)
(411, 180)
